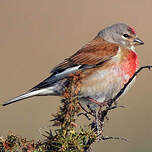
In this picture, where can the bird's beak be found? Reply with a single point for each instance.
(138, 41)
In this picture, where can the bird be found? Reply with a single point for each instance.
(107, 62)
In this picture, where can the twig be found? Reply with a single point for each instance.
(130, 80)
(88, 112)
(109, 137)
(102, 114)
(84, 114)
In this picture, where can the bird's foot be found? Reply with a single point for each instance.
(105, 103)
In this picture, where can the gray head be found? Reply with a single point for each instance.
(121, 34)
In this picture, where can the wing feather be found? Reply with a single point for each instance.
(95, 52)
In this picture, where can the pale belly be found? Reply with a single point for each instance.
(103, 85)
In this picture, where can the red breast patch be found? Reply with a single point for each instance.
(131, 64)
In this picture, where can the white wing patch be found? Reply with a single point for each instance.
(69, 70)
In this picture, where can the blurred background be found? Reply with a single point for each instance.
(36, 35)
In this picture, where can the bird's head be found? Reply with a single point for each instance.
(121, 34)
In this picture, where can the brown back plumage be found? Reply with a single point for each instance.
(95, 52)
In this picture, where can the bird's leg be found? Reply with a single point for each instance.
(105, 103)
(100, 116)
(101, 105)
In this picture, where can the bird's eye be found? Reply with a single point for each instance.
(126, 36)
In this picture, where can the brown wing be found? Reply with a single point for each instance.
(95, 52)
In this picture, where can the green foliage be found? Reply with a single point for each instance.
(13, 143)
(65, 135)
(67, 138)
(70, 140)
